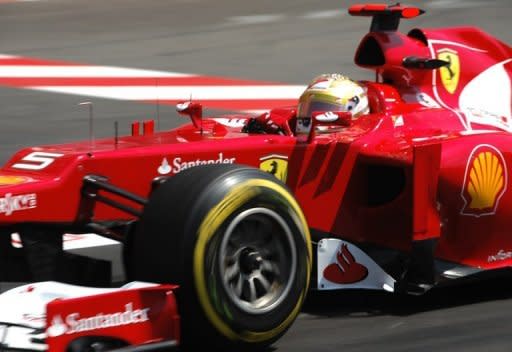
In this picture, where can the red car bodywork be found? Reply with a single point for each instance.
(429, 164)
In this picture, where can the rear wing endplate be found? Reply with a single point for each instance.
(385, 17)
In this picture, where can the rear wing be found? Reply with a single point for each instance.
(385, 17)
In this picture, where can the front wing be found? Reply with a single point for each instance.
(49, 316)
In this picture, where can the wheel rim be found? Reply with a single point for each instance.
(257, 260)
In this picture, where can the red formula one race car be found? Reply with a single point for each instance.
(247, 213)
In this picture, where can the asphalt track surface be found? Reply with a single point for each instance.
(288, 41)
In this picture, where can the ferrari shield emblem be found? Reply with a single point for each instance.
(276, 165)
(450, 74)
(485, 181)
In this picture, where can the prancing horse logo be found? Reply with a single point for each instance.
(450, 74)
(276, 165)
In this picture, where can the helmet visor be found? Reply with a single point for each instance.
(306, 109)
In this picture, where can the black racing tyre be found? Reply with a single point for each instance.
(237, 243)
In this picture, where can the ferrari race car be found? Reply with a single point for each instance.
(245, 219)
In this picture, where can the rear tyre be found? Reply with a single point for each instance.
(237, 243)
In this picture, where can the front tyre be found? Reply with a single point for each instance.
(237, 243)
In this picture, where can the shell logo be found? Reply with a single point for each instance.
(485, 181)
(450, 74)
(6, 180)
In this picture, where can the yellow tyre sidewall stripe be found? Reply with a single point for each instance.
(233, 200)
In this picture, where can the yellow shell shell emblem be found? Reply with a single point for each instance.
(449, 74)
(485, 182)
(6, 180)
(276, 165)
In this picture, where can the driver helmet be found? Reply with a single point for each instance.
(333, 92)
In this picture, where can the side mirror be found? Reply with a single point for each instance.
(193, 110)
(308, 127)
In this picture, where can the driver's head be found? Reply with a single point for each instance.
(333, 92)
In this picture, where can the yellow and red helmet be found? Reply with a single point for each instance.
(333, 92)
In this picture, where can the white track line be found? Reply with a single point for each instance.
(255, 19)
(182, 92)
(81, 71)
(114, 83)
(314, 15)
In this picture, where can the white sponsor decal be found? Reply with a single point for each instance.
(328, 116)
(164, 168)
(426, 100)
(230, 122)
(37, 160)
(57, 328)
(398, 121)
(342, 265)
(179, 165)
(73, 323)
(10, 203)
(501, 255)
(484, 103)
